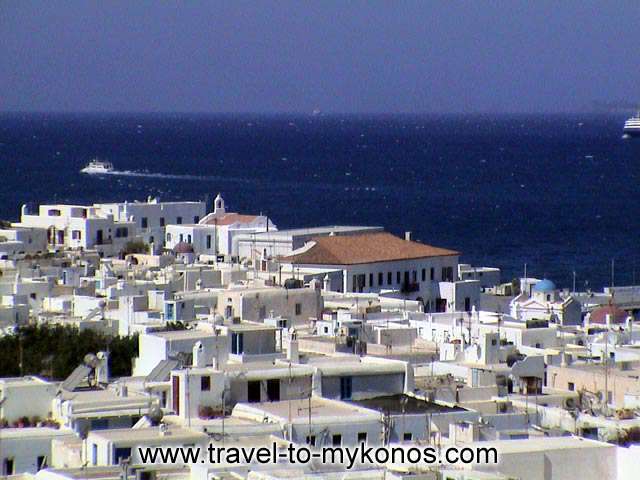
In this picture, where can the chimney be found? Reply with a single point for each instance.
(198, 355)
(407, 236)
(293, 354)
(102, 370)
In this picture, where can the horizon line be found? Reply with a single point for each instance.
(316, 114)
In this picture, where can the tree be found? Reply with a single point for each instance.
(135, 246)
(54, 351)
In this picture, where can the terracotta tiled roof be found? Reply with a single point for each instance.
(228, 219)
(599, 315)
(365, 248)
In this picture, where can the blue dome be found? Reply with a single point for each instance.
(544, 286)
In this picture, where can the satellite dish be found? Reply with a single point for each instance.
(155, 415)
(90, 360)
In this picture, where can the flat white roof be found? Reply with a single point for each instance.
(33, 432)
(24, 381)
(541, 444)
(299, 409)
(183, 334)
(133, 435)
(314, 231)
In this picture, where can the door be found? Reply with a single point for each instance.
(253, 392)
(175, 388)
(346, 387)
(273, 390)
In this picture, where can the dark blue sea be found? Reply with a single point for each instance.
(559, 193)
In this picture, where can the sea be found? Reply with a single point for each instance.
(558, 193)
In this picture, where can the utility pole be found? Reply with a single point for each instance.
(613, 271)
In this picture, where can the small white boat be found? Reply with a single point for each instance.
(96, 166)
(632, 126)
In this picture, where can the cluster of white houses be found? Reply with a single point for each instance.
(323, 336)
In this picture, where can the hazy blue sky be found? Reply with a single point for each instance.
(356, 56)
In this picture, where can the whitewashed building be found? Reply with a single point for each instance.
(151, 217)
(79, 227)
(547, 303)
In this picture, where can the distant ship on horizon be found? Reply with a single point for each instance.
(632, 126)
(96, 166)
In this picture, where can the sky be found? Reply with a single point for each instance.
(262, 56)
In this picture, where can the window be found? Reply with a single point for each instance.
(182, 237)
(208, 241)
(414, 276)
(253, 391)
(571, 386)
(273, 390)
(398, 277)
(121, 453)
(168, 237)
(311, 440)
(179, 220)
(100, 424)
(76, 234)
(54, 213)
(380, 279)
(407, 437)
(467, 304)
(298, 308)
(94, 454)
(237, 343)
(144, 222)
(447, 274)
(424, 274)
(362, 437)
(122, 232)
(370, 280)
(196, 219)
(205, 383)
(355, 283)
(41, 462)
(336, 440)
(346, 384)
(188, 238)
(162, 221)
(389, 278)
(33, 296)
(433, 273)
